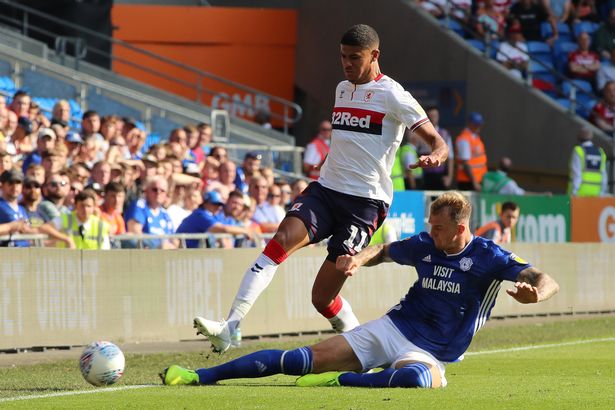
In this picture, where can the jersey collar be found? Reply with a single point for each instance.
(462, 251)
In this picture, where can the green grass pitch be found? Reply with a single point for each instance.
(572, 368)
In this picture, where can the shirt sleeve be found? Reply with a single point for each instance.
(403, 251)
(575, 171)
(311, 156)
(48, 212)
(137, 212)
(511, 188)
(463, 150)
(406, 108)
(507, 265)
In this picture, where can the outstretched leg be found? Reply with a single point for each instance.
(291, 235)
(332, 354)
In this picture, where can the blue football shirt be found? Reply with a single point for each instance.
(9, 214)
(153, 223)
(454, 294)
(199, 221)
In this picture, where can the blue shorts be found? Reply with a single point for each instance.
(349, 220)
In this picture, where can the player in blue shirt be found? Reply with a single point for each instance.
(459, 276)
(147, 215)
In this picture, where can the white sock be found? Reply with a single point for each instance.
(254, 282)
(345, 319)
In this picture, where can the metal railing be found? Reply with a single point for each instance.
(283, 110)
(132, 241)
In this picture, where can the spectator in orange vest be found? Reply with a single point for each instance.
(317, 150)
(500, 231)
(470, 155)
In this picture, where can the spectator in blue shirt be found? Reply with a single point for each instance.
(147, 216)
(208, 219)
(46, 141)
(10, 210)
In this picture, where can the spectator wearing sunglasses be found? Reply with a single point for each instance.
(147, 215)
(30, 200)
(55, 192)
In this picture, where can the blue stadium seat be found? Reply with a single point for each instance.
(585, 27)
(564, 102)
(546, 31)
(585, 106)
(453, 25)
(7, 85)
(477, 44)
(580, 84)
(538, 47)
(539, 66)
(561, 49)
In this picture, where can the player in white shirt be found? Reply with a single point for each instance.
(351, 198)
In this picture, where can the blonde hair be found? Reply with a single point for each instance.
(459, 208)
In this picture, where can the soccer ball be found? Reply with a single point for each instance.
(102, 363)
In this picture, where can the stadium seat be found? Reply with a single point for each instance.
(585, 106)
(538, 47)
(477, 44)
(545, 82)
(7, 85)
(564, 102)
(561, 49)
(546, 31)
(579, 84)
(539, 66)
(454, 25)
(585, 27)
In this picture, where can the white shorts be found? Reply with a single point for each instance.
(379, 343)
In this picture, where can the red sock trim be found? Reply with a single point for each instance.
(333, 309)
(275, 252)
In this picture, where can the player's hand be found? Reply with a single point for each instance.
(426, 161)
(347, 264)
(524, 293)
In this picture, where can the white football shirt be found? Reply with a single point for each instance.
(368, 121)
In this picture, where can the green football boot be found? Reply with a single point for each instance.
(178, 376)
(319, 380)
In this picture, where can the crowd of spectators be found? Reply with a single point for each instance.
(82, 186)
(579, 39)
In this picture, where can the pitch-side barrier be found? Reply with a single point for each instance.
(60, 297)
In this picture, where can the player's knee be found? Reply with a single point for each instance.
(412, 375)
(297, 362)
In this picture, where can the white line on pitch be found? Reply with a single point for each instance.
(532, 347)
(78, 392)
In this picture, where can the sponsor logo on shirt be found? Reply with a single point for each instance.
(357, 120)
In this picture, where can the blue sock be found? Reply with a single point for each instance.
(260, 364)
(412, 375)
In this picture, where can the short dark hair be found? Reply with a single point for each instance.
(114, 187)
(90, 113)
(20, 93)
(235, 193)
(86, 194)
(509, 205)
(361, 35)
